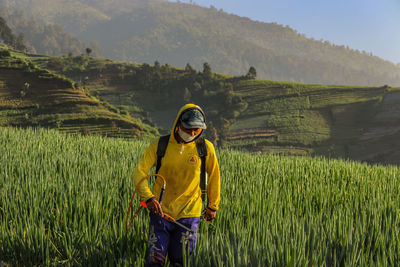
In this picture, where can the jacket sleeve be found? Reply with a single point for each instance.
(147, 161)
(213, 187)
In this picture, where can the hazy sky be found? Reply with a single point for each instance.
(369, 25)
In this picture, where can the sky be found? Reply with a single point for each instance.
(366, 25)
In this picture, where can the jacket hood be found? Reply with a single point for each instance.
(182, 110)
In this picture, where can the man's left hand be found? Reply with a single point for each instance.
(210, 214)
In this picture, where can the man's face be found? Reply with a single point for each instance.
(192, 132)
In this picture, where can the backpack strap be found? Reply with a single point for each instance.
(161, 148)
(202, 152)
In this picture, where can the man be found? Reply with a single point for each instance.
(181, 168)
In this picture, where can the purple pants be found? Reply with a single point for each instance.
(167, 238)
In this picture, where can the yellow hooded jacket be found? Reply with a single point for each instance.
(180, 167)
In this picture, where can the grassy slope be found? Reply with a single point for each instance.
(281, 117)
(140, 89)
(31, 96)
(345, 121)
(255, 115)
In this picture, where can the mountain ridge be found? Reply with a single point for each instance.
(180, 33)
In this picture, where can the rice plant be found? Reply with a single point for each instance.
(63, 200)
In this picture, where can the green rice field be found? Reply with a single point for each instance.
(63, 201)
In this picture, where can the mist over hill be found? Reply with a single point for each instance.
(7, 36)
(178, 33)
(42, 37)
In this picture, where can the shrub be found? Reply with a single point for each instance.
(5, 53)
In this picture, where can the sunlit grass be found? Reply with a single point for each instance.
(63, 201)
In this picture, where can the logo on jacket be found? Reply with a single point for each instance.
(192, 159)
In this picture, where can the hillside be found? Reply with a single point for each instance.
(48, 39)
(359, 123)
(256, 115)
(177, 33)
(34, 97)
(243, 113)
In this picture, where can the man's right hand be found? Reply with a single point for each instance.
(154, 206)
(210, 214)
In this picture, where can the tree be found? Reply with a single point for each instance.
(189, 68)
(207, 72)
(88, 51)
(252, 74)
(9, 38)
(5, 32)
(20, 42)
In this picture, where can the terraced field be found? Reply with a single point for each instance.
(248, 114)
(328, 120)
(30, 96)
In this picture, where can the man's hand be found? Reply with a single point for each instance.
(154, 206)
(210, 214)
